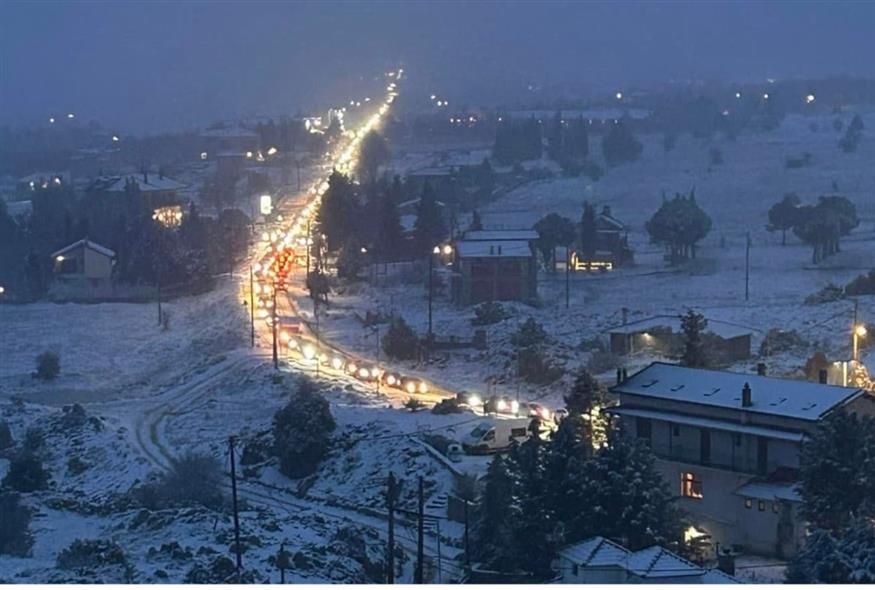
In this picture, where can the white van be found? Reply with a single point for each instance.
(492, 435)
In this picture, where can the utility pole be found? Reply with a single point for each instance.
(276, 361)
(251, 308)
(747, 269)
(390, 550)
(237, 548)
(308, 249)
(316, 313)
(440, 565)
(418, 577)
(428, 336)
(467, 551)
(378, 356)
(158, 275)
(567, 277)
(282, 562)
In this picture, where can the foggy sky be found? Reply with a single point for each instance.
(150, 66)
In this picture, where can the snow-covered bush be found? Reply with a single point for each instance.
(6, 439)
(192, 479)
(301, 432)
(400, 341)
(529, 334)
(15, 538)
(26, 474)
(48, 365)
(489, 313)
(535, 367)
(91, 553)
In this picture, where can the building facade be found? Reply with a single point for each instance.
(729, 445)
(495, 265)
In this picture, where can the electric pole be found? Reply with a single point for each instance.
(467, 552)
(237, 548)
(308, 248)
(747, 269)
(276, 361)
(567, 277)
(158, 276)
(390, 549)
(251, 308)
(418, 577)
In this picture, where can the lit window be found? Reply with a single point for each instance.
(690, 486)
(748, 503)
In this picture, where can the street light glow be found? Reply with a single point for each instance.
(860, 330)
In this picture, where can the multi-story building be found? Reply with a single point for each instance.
(729, 445)
(495, 265)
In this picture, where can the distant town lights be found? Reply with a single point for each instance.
(809, 99)
(115, 138)
(619, 96)
(766, 96)
(51, 119)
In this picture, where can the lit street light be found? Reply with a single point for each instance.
(859, 333)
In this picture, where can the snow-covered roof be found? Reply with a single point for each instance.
(495, 235)
(237, 132)
(723, 329)
(147, 183)
(19, 209)
(85, 242)
(596, 552)
(494, 249)
(709, 423)
(594, 113)
(764, 490)
(803, 400)
(652, 562)
(429, 172)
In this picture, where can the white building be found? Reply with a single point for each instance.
(729, 443)
(601, 561)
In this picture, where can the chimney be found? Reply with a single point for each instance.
(746, 400)
(619, 375)
(491, 250)
(625, 374)
(761, 369)
(823, 376)
(499, 250)
(145, 177)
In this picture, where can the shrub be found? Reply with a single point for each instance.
(48, 365)
(192, 479)
(90, 553)
(301, 432)
(15, 538)
(447, 406)
(6, 440)
(535, 368)
(489, 313)
(530, 334)
(862, 285)
(400, 341)
(26, 474)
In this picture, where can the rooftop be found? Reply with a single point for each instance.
(85, 243)
(803, 400)
(494, 249)
(721, 328)
(495, 235)
(145, 182)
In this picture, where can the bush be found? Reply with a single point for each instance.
(194, 479)
(6, 440)
(778, 341)
(413, 404)
(601, 361)
(91, 553)
(489, 313)
(829, 293)
(535, 368)
(862, 285)
(26, 474)
(529, 334)
(400, 341)
(301, 432)
(15, 538)
(48, 365)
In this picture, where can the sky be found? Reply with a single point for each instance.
(152, 66)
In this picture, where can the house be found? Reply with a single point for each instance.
(729, 444)
(224, 139)
(83, 261)
(601, 561)
(661, 334)
(153, 190)
(495, 265)
(611, 245)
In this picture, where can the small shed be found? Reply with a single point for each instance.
(83, 260)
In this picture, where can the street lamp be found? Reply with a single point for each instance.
(859, 332)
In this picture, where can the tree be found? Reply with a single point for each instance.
(48, 365)
(374, 152)
(847, 557)
(553, 230)
(301, 432)
(533, 523)
(492, 543)
(400, 341)
(586, 398)
(568, 452)
(337, 212)
(350, 261)
(588, 231)
(619, 145)
(15, 537)
(693, 326)
(679, 224)
(625, 498)
(390, 237)
(784, 215)
(429, 228)
(476, 223)
(823, 225)
(852, 136)
(837, 471)
(26, 474)
(193, 479)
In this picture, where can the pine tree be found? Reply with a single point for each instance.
(568, 451)
(693, 325)
(588, 231)
(374, 153)
(619, 145)
(429, 228)
(301, 432)
(337, 212)
(845, 557)
(553, 230)
(492, 543)
(390, 237)
(533, 525)
(627, 498)
(837, 471)
(476, 223)
(400, 341)
(586, 398)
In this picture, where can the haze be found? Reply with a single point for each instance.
(147, 67)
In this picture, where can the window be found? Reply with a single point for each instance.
(691, 487)
(762, 456)
(518, 432)
(489, 435)
(761, 505)
(643, 428)
(675, 430)
(776, 507)
(748, 503)
(574, 569)
(704, 446)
